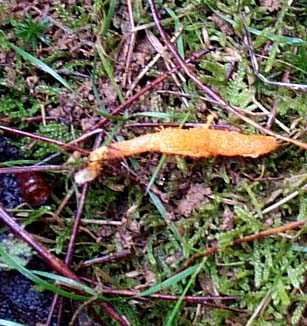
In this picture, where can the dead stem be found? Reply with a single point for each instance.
(112, 257)
(292, 86)
(73, 237)
(147, 67)
(34, 168)
(188, 299)
(170, 297)
(75, 230)
(44, 139)
(130, 44)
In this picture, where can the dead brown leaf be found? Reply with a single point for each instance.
(222, 24)
(196, 196)
(227, 222)
(271, 5)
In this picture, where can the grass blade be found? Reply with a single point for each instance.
(109, 70)
(31, 276)
(103, 110)
(156, 172)
(170, 281)
(41, 65)
(178, 29)
(4, 322)
(159, 115)
(157, 202)
(175, 310)
(67, 281)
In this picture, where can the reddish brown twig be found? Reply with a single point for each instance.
(208, 90)
(150, 86)
(205, 300)
(71, 244)
(248, 238)
(34, 168)
(44, 139)
(26, 119)
(54, 303)
(129, 46)
(170, 297)
(176, 124)
(75, 230)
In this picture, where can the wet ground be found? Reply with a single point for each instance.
(19, 301)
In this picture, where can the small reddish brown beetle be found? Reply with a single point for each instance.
(33, 188)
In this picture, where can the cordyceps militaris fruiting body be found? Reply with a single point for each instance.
(196, 142)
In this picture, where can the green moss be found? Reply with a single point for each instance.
(16, 248)
(53, 130)
(13, 107)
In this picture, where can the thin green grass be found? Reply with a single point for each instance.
(40, 64)
(9, 323)
(182, 276)
(107, 65)
(39, 281)
(176, 310)
(103, 110)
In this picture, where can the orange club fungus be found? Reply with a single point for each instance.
(196, 142)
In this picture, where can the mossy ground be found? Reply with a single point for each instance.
(80, 41)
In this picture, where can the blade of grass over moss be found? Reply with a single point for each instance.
(181, 241)
(35, 215)
(41, 65)
(156, 172)
(108, 18)
(170, 281)
(67, 281)
(184, 292)
(283, 39)
(31, 276)
(112, 134)
(109, 70)
(103, 110)
(178, 28)
(163, 157)
(157, 202)
(159, 115)
(10, 323)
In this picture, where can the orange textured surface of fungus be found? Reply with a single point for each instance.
(196, 142)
